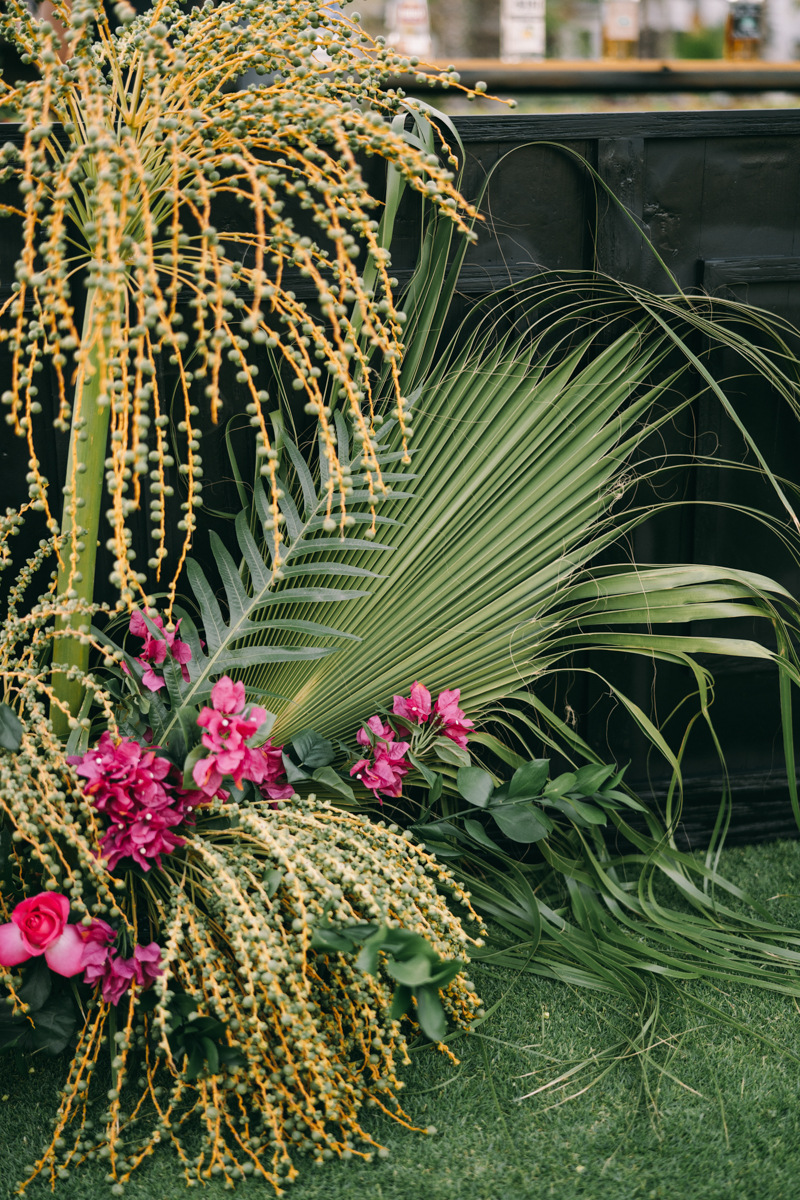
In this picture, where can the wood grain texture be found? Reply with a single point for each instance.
(573, 126)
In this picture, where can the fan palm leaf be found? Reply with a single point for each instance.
(521, 454)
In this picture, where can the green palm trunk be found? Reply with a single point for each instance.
(86, 463)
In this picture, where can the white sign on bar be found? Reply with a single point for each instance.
(522, 30)
(409, 26)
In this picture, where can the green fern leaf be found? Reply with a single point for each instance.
(261, 625)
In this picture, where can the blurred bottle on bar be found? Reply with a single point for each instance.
(409, 26)
(744, 29)
(522, 33)
(621, 29)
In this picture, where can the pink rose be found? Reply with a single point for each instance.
(41, 920)
(39, 926)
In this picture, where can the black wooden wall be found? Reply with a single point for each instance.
(717, 195)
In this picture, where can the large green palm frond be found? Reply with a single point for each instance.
(523, 446)
(531, 431)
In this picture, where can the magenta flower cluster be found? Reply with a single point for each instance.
(38, 926)
(383, 772)
(383, 775)
(155, 649)
(115, 974)
(139, 793)
(445, 713)
(228, 729)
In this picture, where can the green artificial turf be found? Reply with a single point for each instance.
(725, 1121)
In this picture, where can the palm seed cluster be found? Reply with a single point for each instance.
(123, 149)
(314, 1036)
(128, 141)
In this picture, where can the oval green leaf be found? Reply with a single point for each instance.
(522, 822)
(475, 785)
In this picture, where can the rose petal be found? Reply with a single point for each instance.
(66, 955)
(55, 901)
(12, 947)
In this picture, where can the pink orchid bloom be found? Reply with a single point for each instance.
(383, 733)
(456, 725)
(417, 708)
(38, 926)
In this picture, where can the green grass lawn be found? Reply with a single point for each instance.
(724, 1123)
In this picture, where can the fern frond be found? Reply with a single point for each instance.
(260, 625)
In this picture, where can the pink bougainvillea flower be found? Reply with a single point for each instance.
(39, 926)
(273, 769)
(148, 962)
(382, 732)
(190, 799)
(144, 840)
(124, 780)
(455, 724)
(227, 696)
(152, 681)
(227, 731)
(417, 708)
(155, 649)
(181, 652)
(97, 938)
(385, 774)
(116, 974)
(391, 760)
(376, 781)
(130, 786)
(99, 933)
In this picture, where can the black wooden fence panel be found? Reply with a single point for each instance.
(717, 195)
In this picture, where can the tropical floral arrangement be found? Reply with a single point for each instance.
(247, 848)
(274, 1032)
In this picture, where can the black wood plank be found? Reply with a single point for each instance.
(771, 268)
(620, 165)
(572, 126)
